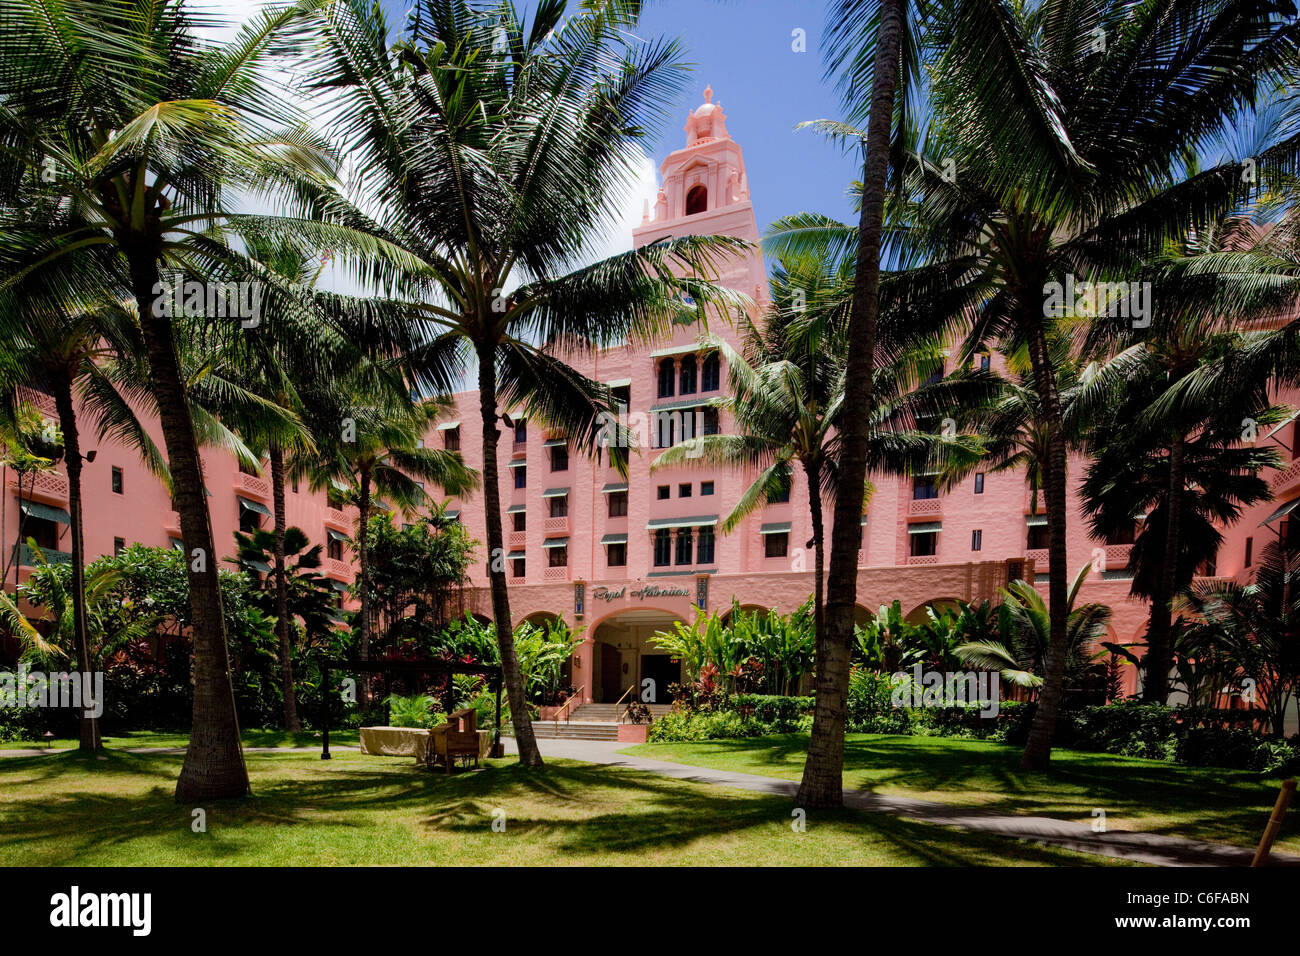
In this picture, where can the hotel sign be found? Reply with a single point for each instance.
(642, 593)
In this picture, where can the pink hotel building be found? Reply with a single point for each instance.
(624, 557)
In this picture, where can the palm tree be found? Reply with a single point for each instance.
(1050, 159)
(1025, 632)
(1255, 624)
(378, 454)
(494, 151)
(71, 354)
(145, 132)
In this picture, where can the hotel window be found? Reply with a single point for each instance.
(710, 425)
(451, 439)
(684, 489)
(521, 432)
(782, 494)
(1250, 551)
(560, 458)
(776, 545)
(979, 483)
(117, 481)
(119, 545)
(1125, 535)
(249, 520)
(622, 395)
(44, 531)
(616, 555)
(924, 543)
(687, 377)
(685, 546)
(976, 540)
(617, 504)
(923, 487)
(665, 429)
(521, 521)
(711, 373)
(559, 506)
(663, 548)
(667, 372)
(517, 567)
(663, 492)
(706, 487)
(1037, 538)
(704, 547)
(985, 361)
(521, 476)
(334, 547)
(558, 557)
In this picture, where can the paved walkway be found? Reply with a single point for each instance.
(1139, 847)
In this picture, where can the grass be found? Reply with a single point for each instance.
(117, 810)
(166, 738)
(1224, 806)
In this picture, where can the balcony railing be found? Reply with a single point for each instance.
(555, 574)
(922, 559)
(1039, 557)
(556, 524)
(47, 484)
(1286, 477)
(27, 557)
(338, 518)
(252, 485)
(1117, 556)
(925, 506)
(335, 568)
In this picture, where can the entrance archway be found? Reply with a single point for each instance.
(626, 656)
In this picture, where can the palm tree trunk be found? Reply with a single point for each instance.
(823, 783)
(529, 755)
(89, 736)
(1155, 682)
(1038, 749)
(282, 622)
(214, 760)
(813, 472)
(363, 559)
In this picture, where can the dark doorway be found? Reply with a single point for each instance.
(611, 674)
(663, 670)
(697, 200)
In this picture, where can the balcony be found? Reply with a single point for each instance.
(252, 485)
(1039, 557)
(516, 539)
(1285, 478)
(925, 506)
(42, 484)
(338, 518)
(334, 568)
(1117, 556)
(27, 556)
(918, 559)
(555, 574)
(556, 525)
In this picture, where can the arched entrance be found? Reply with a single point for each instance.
(626, 657)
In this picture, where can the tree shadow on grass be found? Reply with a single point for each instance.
(582, 812)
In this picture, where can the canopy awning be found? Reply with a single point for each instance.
(678, 350)
(775, 527)
(614, 487)
(696, 522)
(257, 565)
(339, 586)
(555, 492)
(34, 509)
(1281, 512)
(518, 463)
(555, 543)
(255, 506)
(1035, 521)
(515, 555)
(453, 514)
(614, 539)
(447, 426)
(336, 535)
(683, 404)
(555, 443)
(924, 527)
(516, 509)
(619, 383)
(178, 544)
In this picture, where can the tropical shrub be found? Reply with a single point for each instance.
(413, 710)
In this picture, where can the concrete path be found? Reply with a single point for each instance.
(1139, 847)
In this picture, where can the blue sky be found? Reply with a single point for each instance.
(744, 50)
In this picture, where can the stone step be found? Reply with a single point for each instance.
(576, 730)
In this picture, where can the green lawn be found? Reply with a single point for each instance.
(117, 809)
(1225, 806)
(165, 738)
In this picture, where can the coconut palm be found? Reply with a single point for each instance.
(494, 151)
(1058, 151)
(150, 136)
(376, 454)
